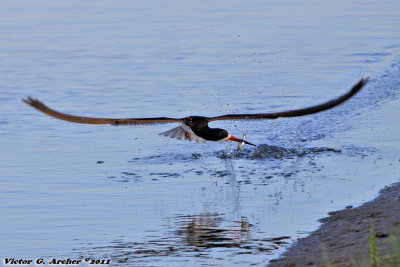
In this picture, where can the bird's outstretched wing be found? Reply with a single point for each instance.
(86, 120)
(296, 112)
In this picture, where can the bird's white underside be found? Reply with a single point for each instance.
(183, 132)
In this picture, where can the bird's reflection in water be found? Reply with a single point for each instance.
(193, 237)
(208, 230)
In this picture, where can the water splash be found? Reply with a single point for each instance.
(265, 151)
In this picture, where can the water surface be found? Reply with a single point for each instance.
(136, 198)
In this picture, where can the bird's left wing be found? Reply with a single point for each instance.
(296, 112)
(87, 120)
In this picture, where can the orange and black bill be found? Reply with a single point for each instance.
(232, 138)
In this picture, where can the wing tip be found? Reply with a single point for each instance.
(358, 86)
(364, 80)
(28, 100)
(361, 83)
(33, 102)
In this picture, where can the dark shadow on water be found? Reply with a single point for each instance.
(278, 162)
(262, 151)
(265, 151)
(179, 165)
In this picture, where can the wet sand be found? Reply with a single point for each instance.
(343, 236)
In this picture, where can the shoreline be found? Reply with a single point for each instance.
(343, 237)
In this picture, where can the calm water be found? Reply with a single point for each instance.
(161, 202)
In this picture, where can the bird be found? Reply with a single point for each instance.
(196, 127)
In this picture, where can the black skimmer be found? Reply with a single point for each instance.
(196, 127)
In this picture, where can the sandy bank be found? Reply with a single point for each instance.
(343, 237)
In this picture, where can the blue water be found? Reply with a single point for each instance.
(156, 201)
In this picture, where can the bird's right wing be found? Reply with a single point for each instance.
(86, 120)
(296, 112)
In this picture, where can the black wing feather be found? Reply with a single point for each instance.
(87, 120)
(296, 112)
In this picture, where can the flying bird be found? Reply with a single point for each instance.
(196, 127)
